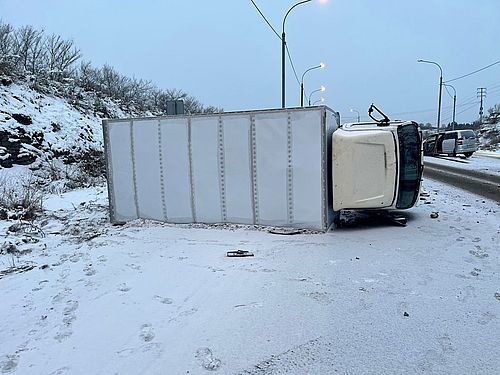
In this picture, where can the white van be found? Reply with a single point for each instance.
(452, 143)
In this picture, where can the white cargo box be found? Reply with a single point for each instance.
(267, 167)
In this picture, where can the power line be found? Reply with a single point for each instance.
(278, 35)
(265, 19)
(474, 72)
(467, 109)
(291, 63)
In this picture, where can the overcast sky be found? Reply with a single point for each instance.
(223, 52)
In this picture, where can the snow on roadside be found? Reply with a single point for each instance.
(475, 162)
(153, 298)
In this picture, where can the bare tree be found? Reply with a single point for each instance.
(26, 46)
(52, 58)
(61, 54)
(7, 57)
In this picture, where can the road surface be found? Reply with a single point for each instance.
(482, 182)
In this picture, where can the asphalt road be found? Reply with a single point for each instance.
(480, 183)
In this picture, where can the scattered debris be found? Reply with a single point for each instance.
(397, 220)
(434, 215)
(239, 253)
(406, 315)
(285, 231)
(497, 296)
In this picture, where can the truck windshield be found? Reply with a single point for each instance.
(411, 165)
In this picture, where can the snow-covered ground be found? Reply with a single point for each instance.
(80, 296)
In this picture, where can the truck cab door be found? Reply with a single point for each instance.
(364, 168)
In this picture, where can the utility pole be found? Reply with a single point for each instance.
(481, 93)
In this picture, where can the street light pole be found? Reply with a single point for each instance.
(454, 104)
(320, 66)
(353, 110)
(322, 88)
(440, 88)
(283, 47)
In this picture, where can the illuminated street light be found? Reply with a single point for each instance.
(319, 101)
(321, 88)
(320, 66)
(283, 48)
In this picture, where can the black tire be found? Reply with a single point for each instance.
(336, 218)
(468, 154)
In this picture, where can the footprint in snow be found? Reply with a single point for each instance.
(479, 253)
(147, 333)
(164, 300)
(475, 272)
(89, 270)
(207, 360)
(133, 266)
(60, 371)
(486, 318)
(123, 287)
(8, 363)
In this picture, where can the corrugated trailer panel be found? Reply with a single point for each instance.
(271, 172)
(205, 169)
(256, 167)
(237, 167)
(146, 163)
(307, 167)
(121, 189)
(175, 166)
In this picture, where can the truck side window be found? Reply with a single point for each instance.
(411, 165)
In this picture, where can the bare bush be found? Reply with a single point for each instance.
(21, 197)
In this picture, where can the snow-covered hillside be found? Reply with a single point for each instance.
(34, 125)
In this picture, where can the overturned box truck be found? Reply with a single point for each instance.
(292, 168)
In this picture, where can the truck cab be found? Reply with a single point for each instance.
(376, 165)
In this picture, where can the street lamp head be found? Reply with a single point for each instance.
(322, 88)
(323, 1)
(321, 65)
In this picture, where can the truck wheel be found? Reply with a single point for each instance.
(468, 154)
(336, 218)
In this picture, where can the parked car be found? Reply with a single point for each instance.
(452, 143)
